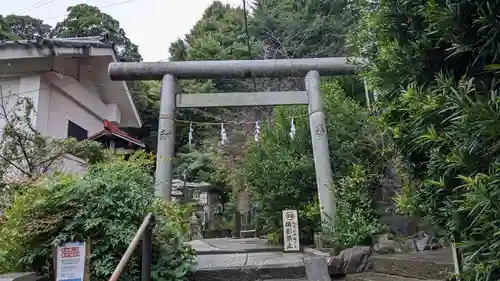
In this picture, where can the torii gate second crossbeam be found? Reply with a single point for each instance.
(170, 72)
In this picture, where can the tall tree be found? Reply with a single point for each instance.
(26, 27)
(85, 20)
(5, 30)
(219, 35)
(297, 29)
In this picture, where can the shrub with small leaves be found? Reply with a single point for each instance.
(355, 220)
(25, 153)
(435, 67)
(106, 206)
(280, 170)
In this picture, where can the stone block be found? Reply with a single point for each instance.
(247, 233)
(433, 265)
(349, 261)
(19, 276)
(316, 269)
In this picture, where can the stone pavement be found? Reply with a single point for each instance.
(252, 259)
(233, 246)
(246, 259)
(249, 260)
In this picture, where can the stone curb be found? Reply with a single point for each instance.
(412, 268)
(250, 273)
(314, 252)
(371, 276)
(237, 251)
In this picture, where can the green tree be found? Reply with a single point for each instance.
(25, 27)
(301, 29)
(429, 63)
(5, 30)
(206, 166)
(218, 35)
(297, 29)
(280, 171)
(84, 20)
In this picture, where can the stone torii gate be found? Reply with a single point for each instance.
(169, 72)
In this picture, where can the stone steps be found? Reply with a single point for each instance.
(373, 276)
(250, 273)
(300, 279)
(249, 267)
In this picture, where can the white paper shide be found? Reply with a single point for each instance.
(71, 262)
(291, 231)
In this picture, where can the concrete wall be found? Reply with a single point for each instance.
(61, 109)
(69, 164)
(14, 88)
(57, 103)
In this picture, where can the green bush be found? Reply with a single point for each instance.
(355, 220)
(280, 174)
(433, 65)
(107, 206)
(280, 171)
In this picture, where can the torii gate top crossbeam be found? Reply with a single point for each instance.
(232, 68)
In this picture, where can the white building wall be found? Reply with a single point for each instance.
(9, 92)
(29, 87)
(53, 107)
(53, 110)
(61, 109)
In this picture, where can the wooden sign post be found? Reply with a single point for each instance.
(71, 261)
(291, 231)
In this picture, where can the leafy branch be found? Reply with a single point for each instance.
(26, 154)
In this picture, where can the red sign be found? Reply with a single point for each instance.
(70, 252)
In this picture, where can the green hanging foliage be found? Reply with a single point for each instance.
(432, 64)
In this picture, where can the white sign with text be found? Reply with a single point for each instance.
(71, 262)
(291, 231)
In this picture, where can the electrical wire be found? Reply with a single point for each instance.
(100, 7)
(32, 7)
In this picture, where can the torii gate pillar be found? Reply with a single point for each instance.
(166, 138)
(169, 72)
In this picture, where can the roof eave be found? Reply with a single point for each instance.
(103, 133)
(27, 51)
(138, 143)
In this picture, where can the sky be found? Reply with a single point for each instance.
(151, 24)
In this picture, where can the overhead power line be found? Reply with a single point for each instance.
(100, 7)
(37, 5)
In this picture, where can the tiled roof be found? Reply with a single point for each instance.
(112, 129)
(77, 42)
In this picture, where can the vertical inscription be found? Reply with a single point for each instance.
(164, 134)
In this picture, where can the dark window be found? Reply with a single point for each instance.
(76, 131)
